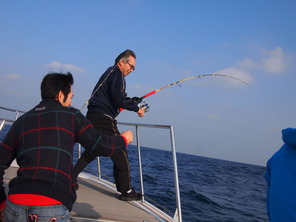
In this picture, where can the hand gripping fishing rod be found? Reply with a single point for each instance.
(144, 105)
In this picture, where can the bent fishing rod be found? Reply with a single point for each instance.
(164, 87)
(193, 77)
(146, 106)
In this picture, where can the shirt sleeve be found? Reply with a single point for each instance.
(7, 155)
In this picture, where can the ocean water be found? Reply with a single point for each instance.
(211, 190)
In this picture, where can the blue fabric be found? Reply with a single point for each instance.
(20, 213)
(281, 180)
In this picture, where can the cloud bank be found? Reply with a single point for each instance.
(274, 61)
(69, 67)
(12, 76)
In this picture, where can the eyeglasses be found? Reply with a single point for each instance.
(132, 66)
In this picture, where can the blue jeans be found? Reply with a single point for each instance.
(23, 213)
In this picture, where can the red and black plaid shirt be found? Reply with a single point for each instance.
(42, 142)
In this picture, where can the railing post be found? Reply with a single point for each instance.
(99, 167)
(2, 124)
(79, 150)
(98, 161)
(16, 114)
(140, 162)
(178, 199)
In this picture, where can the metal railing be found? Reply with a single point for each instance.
(178, 213)
(4, 120)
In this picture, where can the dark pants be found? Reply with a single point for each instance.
(121, 170)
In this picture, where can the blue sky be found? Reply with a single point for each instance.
(213, 116)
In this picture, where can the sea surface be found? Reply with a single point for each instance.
(211, 190)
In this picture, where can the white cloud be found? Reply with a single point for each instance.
(213, 116)
(55, 65)
(12, 76)
(275, 61)
(69, 67)
(73, 68)
(271, 61)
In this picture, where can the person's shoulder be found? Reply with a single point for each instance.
(111, 70)
(285, 153)
(72, 109)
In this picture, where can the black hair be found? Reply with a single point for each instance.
(124, 55)
(53, 83)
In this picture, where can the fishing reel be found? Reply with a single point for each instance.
(143, 105)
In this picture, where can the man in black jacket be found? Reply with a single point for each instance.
(107, 99)
(42, 142)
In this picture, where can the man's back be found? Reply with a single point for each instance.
(43, 140)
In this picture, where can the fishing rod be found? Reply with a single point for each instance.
(193, 77)
(146, 106)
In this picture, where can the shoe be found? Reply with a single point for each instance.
(133, 195)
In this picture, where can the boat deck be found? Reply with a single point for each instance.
(97, 200)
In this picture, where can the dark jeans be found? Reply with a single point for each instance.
(121, 169)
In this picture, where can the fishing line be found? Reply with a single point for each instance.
(272, 114)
